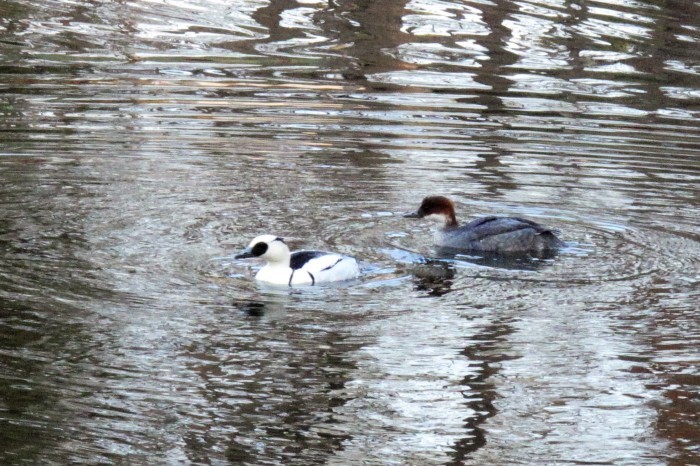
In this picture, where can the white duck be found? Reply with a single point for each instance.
(300, 267)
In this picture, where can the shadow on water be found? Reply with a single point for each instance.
(436, 275)
(251, 309)
(513, 261)
(48, 353)
(276, 381)
(487, 350)
(28, 398)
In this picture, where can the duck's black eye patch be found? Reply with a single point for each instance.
(259, 249)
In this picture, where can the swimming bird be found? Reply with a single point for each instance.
(487, 234)
(300, 267)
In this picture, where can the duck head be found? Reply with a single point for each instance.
(438, 208)
(269, 247)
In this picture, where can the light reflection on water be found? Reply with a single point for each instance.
(145, 143)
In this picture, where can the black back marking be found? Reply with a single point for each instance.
(291, 277)
(333, 265)
(299, 258)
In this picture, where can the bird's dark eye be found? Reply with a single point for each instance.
(259, 249)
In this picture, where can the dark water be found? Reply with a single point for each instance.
(143, 143)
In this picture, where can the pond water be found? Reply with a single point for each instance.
(144, 143)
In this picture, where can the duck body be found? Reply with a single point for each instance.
(501, 235)
(300, 267)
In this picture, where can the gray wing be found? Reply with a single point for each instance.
(508, 234)
(492, 226)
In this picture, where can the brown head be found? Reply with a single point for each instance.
(438, 207)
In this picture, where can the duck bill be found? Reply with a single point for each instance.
(244, 254)
(412, 215)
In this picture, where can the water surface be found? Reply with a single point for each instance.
(144, 143)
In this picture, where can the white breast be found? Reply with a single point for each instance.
(276, 275)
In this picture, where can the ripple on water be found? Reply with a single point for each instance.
(626, 253)
(145, 142)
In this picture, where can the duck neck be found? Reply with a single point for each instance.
(279, 258)
(279, 265)
(450, 221)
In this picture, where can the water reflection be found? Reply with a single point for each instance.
(527, 261)
(143, 142)
(434, 277)
(487, 350)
